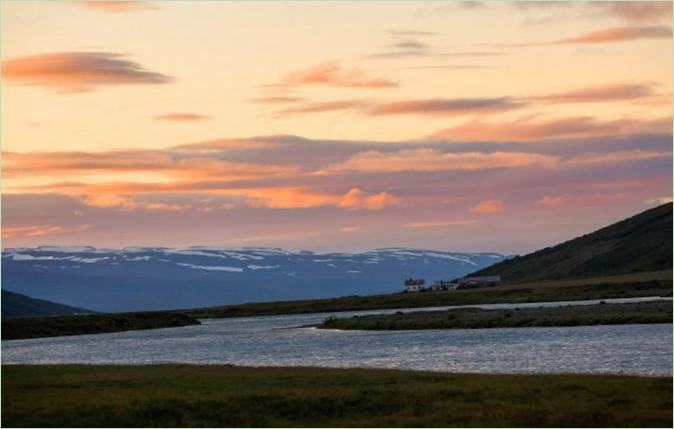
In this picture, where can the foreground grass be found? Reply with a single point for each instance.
(656, 283)
(474, 318)
(223, 396)
(34, 327)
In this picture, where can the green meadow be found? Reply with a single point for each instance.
(226, 396)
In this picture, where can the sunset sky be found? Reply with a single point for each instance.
(465, 126)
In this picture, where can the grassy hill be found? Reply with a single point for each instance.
(18, 305)
(640, 243)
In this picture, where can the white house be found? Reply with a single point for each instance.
(414, 285)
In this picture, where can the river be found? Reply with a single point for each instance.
(277, 341)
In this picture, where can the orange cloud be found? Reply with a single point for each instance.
(287, 198)
(332, 74)
(568, 200)
(555, 200)
(621, 34)
(530, 128)
(277, 100)
(432, 224)
(127, 203)
(434, 160)
(183, 165)
(447, 107)
(71, 72)
(488, 207)
(357, 199)
(182, 117)
(442, 107)
(329, 106)
(225, 144)
(116, 6)
(38, 230)
(599, 93)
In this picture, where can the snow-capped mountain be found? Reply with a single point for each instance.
(142, 278)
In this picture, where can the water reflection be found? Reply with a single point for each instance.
(258, 341)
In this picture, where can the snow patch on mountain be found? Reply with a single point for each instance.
(262, 267)
(211, 268)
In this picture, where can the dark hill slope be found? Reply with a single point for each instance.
(640, 243)
(17, 305)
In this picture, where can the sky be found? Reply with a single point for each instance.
(462, 126)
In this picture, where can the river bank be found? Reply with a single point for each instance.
(38, 327)
(476, 318)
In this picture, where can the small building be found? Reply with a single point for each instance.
(414, 285)
(485, 281)
(443, 285)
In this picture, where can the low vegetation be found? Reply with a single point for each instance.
(34, 327)
(658, 283)
(224, 396)
(639, 243)
(475, 318)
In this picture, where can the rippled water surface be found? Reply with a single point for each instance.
(276, 341)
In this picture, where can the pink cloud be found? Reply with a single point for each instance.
(529, 128)
(182, 117)
(446, 107)
(39, 230)
(599, 93)
(333, 74)
(320, 107)
(488, 207)
(568, 200)
(621, 34)
(277, 100)
(617, 157)
(116, 6)
(434, 160)
(71, 72)
(438, 224)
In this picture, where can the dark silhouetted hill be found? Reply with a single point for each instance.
(639, 243)
(17, 305)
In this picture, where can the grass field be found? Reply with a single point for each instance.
(474, 318)
(34, 327)
(222, 396)
(655, 283)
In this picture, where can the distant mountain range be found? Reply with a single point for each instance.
(639, 243)
(136, 279)
(18, 305)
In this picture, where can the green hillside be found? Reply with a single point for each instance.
(17, 305)
(640, 243)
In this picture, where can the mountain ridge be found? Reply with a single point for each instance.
(640, 243)
(159, 278)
